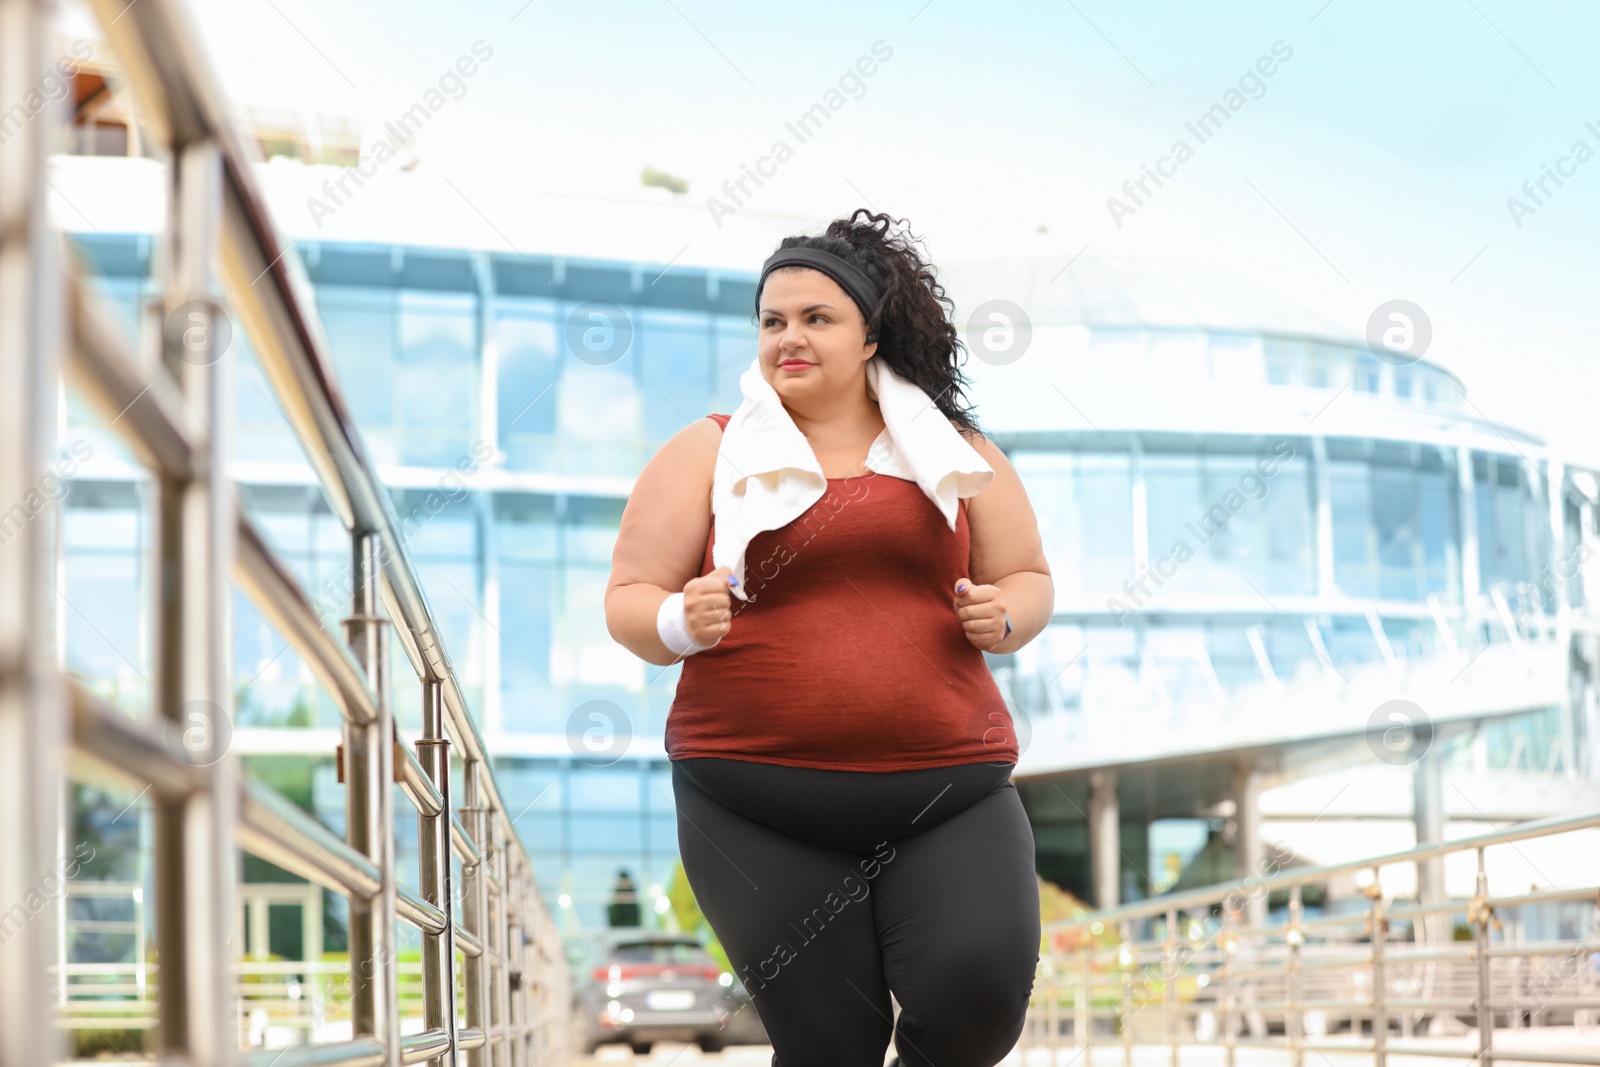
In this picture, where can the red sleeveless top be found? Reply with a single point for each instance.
(849, 654)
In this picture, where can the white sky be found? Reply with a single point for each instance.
(1377, 164)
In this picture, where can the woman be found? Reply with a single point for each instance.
(841, 757)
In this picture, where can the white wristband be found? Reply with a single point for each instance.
(674, 628)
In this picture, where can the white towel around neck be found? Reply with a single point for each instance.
(767, 474)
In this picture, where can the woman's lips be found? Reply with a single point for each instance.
(793, 364)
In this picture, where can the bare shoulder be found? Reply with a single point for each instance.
(689, 457)
(665, 523)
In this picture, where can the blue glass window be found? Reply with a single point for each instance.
(676, 364)
(736, 340)
(1084, 505)
(599, 397)
(437, 364)
(528, 352)
(1355, 570)
(360, 327)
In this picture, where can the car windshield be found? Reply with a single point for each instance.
(657, 952)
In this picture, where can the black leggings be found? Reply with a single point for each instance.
(830, 889)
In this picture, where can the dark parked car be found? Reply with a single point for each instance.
(634, 986)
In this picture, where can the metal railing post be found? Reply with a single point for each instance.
(1479, 914)
(1084, 1023)
(1169, 950)
(1380, 1012)
(435, 875)
(1225, 938)
(369, 810)
(1053, 1007)
(190, 690)
(1294, 937)
(1125, 929)
(516, 1016)
(500, 927)
(1545, 992)
(170, 409)
(474, 909)
(32, 708)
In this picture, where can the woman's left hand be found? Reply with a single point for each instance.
(982, 611)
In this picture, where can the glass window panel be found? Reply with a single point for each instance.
(736, 340)
(531, 785)
(438, 376)
(591, 529)
(1084, 505)
(607, 833)
(1349, 640)
(1369, 372)
(526, 526)
(585, 653)
(527, 351)
(1334, 366)
(676, 365)
(542, 832)
(1395, 521)
(1286, 361)
(360, 327)
(600, 406)
(606, 788)
(1172, 500)
(1105, 497)
(103, 616)
(659, 783)
(87, 528)
(663, 830)
(1233, 521)
(261, 431)
(1290, 565)
(527, 614)
(1354, 562)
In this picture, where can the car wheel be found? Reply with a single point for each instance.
(642, 1048)
(712, 1043)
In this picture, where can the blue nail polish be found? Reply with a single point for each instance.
(732, 580)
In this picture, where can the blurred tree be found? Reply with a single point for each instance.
(686, 912)
(624, 907)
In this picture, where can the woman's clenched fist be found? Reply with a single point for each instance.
(707, 606)
(983, 614)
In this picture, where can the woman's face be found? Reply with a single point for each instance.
(812, 339)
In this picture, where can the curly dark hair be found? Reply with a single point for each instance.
(916, 338)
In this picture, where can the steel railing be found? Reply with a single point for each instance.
(1189, 970)
(169, 405)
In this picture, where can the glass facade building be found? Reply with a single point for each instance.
(509, 400)
(1262, 531)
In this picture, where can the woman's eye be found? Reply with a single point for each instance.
(814, 316)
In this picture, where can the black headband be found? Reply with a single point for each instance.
(852, 279)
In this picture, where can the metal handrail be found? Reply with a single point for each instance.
(267, 288)
(1224, 968)
(1301, 876)
(169, 411)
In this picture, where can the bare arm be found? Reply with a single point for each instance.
(1007, 550)
(661, 543)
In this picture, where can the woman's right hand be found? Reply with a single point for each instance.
(706, 606)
